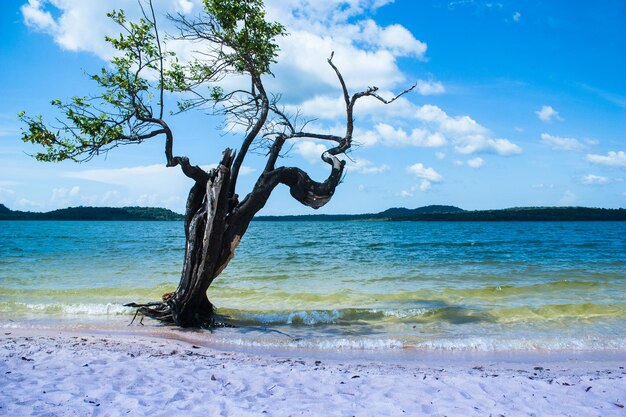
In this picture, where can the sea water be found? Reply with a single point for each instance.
(354, 284)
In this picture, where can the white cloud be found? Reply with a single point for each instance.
(613, 159)
(26, 203)
(568, 198)
(6, 191)
(467, 135)
(110, 197)
(185, 6)
(246, 170)
(517, 16)
(37, 18)
(566, 144)
(547, 113)
(592, 179)
(475, 163)
(125, 176)
(365, 51)
(395, 38)
(80, 25)
(310, 150)
(65, 196)
(418, 137)
(363, 166)
(425, 185)
(150, 185)
(365, 138)
(420, 171)
(427, 88)
(302, 62)
(323, 107)
(440, 155)
(405, 194)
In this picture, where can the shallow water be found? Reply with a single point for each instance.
(444, 285)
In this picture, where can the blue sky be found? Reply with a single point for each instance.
(519, 103)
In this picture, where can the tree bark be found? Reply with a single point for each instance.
(209, 249)
(216, 220)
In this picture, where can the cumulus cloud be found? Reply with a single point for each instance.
(475, 163)
(309, 150)
(366, 52)
(427, 88)
(185, 6)
(435, 128)
(425, 185)
(36, 17)
(418, 137)
(559, 143)
(152, 185)
(612, 159)
(592, 179)
(395, 38)
(568, 198)
(547, 113)
(63, 196)
(467, 135)
(148, 174)
(425, 173)
(363, 166)
(24, 202)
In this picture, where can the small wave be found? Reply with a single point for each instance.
(404, 313)
(492, 291)
(58, 309)
(340, 343)
(306, 318)
(541, 343)
(561, 312)
(321, 317)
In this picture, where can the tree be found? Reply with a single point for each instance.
(130, 109)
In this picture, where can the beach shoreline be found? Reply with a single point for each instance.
(140, 370)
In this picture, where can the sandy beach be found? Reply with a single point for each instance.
(60, 372)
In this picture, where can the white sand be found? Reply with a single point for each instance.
(60, 373)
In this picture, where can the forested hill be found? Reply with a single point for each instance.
(93, 213)
(427, 213)
(389, 214)
(525, 214)
(451, 213)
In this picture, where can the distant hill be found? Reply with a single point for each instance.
(93, 213)
(524, 214)
(389, 214)
(403, 212)
(427, 213)
(451, 213)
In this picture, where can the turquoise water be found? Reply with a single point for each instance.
(444, 285)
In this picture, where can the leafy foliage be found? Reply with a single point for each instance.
(130, 105)
(124, 111)
(241, 25)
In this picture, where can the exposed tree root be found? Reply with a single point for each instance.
(162, 312)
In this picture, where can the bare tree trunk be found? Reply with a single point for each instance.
(209, 249)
